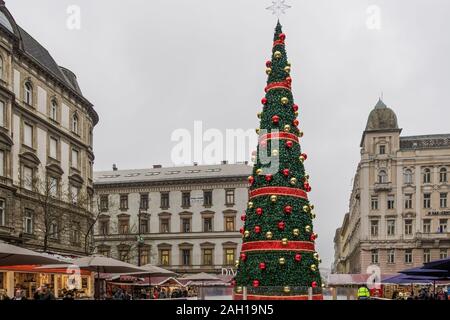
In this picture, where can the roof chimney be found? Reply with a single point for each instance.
(224, 162)
(157, 166)
(114, 165)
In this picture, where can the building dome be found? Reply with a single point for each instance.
(382, 118)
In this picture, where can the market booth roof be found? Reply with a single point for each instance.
(12, 255)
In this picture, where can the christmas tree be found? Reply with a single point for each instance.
(278, 258)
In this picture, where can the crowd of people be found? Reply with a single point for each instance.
(153, 293)
(423, 294)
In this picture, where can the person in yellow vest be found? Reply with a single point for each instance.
(363, 293)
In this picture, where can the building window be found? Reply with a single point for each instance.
(53, 110)
(53, 186)
(104, 252)
(443, 175)
(408, 227)
(2, 163)
(186, 225)
(382, 149)
(144, 257)
(382, 177)
(443, 254)
(186, 199)
(374, 228)
(408, 201)
(124, 225)
(75, 235)
(186, 257)
(75, 124)
(2, 213)
(144, 225)
(103, 227)
(123, 202)
(391, 227)
(426, 255)
(408, 176)
(207, 224)
(54, 230)
(124, 255)
(207, 257)
(164, 200)
(391, 256)
(374, 203)
(427, 200)
(230, 254)
(28, 221)
(28, 135)
(164, 257)
(53, 148)
(104, 202)
(207, 198)
(374, 255)
(443, 200)
(230, 224)
(229, 197)
(143, 203)
(426, 227)
(427, 176)
(165, 225)
(28, 93)
(408, 256)
(75, 193)
(75, 159)
(2, 114)
(28, 176)
(391, 202)
(443, 225)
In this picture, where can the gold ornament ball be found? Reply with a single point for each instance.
(296, 113)
(293, 181)
(287, 289)
(306, 208)
(282, 261)
(284, 100)
(275, 153)
(308, 229)
(250, 205)
(313, 215)
(273, 198)
(284, 241)
(257, 131)
(246, 233)
(268, 71)
(316, 256)
(259, 171)
(296, 232)
(307, 176)
(258, 115)
(269, 235)
(237, 263)
(287, 128)
(287, 69)
(301, 134)
(238, 289)
(288, 63)
(313, 267)
(277, 54)
(312, 207)
(302, 158)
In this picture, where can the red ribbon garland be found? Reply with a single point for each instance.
(278, 85)
(278, 136)
(238, 296)
(279, 191)
(278, 42)
(277, 245)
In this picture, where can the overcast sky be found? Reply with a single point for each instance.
(151, 67)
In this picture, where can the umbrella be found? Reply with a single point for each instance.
(426, 272)
(443, 264)
(153, 271)
(405, 279)
(12, 255)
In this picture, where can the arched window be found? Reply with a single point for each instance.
(408, 175)
(53, 110)
(382, 176)
(427, 176)
(75, 123)
(28, 93)
(443, 175)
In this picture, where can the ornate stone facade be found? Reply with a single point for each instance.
(399, 209)
(46, 155)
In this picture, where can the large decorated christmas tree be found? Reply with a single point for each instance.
(278, 258)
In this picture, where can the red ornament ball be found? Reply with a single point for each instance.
(289, 144)
(262, 266)
(295, 107)
(269, 177)
(312, 237)
(281, 225)
(243, 217)
(241, 230)
(243, 256)
(295, 122)
(233, 282)
(305, 156)
(289, 80)
(268, 63)
(314, 284)
(298, 257)
(257, 229)
(255, 283)
(288, 209)
(259, 211)
(251, 179)
(286, 172)
(264, 100)
(282, 36)
(275, 119)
